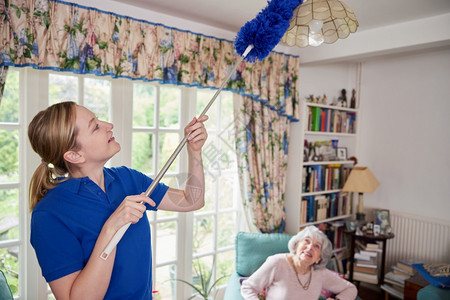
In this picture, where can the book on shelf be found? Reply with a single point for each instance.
(365, 246)
(400, 285)
(372, 246)
(362, 257)
(396, 277)
(335, 233)
(316, 178)
(365, 277)
(331, 120)
(392, 291)
(372, 263)
(304, 207)
(368, 253)
(406, 264)
(315, 120)
(401, 271)
(322, 207)
(365, 269)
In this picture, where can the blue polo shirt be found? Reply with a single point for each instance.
(65, 225)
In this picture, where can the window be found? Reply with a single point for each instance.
(149, 130)
(10, 238)
(211, 230)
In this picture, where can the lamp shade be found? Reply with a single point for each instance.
(337, 18)
(361, 180)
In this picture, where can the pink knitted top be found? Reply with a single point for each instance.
(277, 277)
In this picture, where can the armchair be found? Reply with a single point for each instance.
(252, 249)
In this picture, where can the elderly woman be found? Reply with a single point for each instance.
(300, 274)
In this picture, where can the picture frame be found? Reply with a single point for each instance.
(351, 225)
(341, 153)
(381, 218)
(376, 230)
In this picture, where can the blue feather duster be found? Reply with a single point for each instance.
(265, 31)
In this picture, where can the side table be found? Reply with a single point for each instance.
(413, 285)
(368, 238)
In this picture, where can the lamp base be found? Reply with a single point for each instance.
(361, 217)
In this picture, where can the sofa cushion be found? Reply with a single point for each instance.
(252, 250)
(5, 291)
(430, 292)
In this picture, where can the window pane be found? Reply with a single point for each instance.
(211, 156)
(168, 142)
(202, 269)
(166, 233)
(225, 266)
(9, 111)
(144, 99)
(226, 109)
(62, 88)
(142, 151)
(226, 229)
(226, 190)
(203, 234)
(9, 264)
(97, 97)
(203, 98)
(165, 283)
(210, 191)
(9, 156)
(169, 109)
(9, 214)
(226, 156)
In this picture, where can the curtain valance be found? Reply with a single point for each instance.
(64, 36)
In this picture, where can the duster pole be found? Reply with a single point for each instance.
(119, 234)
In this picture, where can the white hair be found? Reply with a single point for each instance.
(313, 232)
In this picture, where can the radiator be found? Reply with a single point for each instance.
(417, 237)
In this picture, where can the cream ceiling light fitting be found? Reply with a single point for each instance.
(320, 21)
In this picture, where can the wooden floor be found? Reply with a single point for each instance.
(370, 292)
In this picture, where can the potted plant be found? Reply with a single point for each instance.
(204, 286)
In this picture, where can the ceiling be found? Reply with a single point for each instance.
(231, 15)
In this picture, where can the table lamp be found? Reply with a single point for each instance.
(361, 180)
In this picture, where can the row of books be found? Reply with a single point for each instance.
(331, 120)
(324, 177)
(321, 207)
(335, 233)
(394, 280)
(366, 262)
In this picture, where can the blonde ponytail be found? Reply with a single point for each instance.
(52, 132)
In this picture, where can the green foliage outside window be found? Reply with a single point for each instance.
(9, 173)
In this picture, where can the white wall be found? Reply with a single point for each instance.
(405, 131)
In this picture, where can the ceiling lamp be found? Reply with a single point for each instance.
(320, 21)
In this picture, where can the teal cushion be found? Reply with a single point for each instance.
(252, 250)
(431, 292)
(5, 291)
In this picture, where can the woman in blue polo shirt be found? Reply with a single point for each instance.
(78, 205)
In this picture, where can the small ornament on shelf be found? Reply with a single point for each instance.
(342, 100)
(324, 99)
(353, 99)
(311, 99)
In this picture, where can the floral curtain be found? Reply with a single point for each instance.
(3, 72)
(68, 37)
(63, 36)
(262, 138)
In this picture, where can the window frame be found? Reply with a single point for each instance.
(33, 97)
